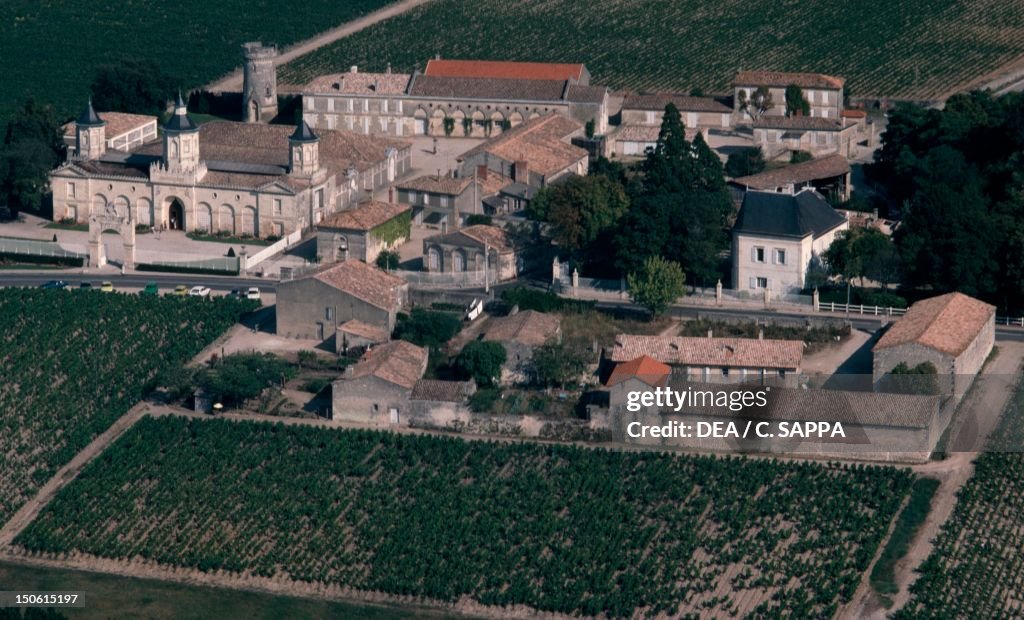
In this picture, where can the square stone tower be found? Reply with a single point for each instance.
(259, 84)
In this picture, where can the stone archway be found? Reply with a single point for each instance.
(175, 215)
(111, 217)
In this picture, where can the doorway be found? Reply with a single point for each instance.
(176, 215)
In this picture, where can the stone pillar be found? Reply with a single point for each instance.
(623, 294)
(575, 281)
(767, 297)
(242, 255)
(815, 300)
(556, 272)
(97, 252)
(718, 293)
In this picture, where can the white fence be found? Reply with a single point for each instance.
(278, 246)
(861, 309)
(464, 279)
(28, 247)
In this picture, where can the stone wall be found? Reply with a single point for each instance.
(303, 305)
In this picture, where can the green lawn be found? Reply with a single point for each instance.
(911, 48)
(51, 49)
(112, 596)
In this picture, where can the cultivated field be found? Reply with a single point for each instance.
(976, 569)
(909, 49)
(51, 49)
(72, 362)
(555, 528)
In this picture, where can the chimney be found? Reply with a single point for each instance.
(481, 172)
(521, 172)
(353, 69)
(437, 56)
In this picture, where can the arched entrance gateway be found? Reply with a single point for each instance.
(175, 215)
(111, 216)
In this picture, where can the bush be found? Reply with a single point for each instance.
(482, 401)
(428, 328)
(236, 378)
(543, 301)
(315, 386)
(481, 361)
(474, 219)
(388, 260)
(799, 157)
(745, 162)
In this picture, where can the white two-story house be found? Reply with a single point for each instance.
(777, 235)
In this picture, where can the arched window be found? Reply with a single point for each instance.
(341, 243)
(458, 261)
(433, 259)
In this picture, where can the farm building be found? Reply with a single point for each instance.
(636, 140)
(826, 175)
(824, 93)
(776, 236)
(953, 332)
(356, 335)
(521, 333)
(315, 305)
(376, 389)
(817, 135)
(457, 98)
(362, 232)
(714, 360)
(700, 113)
(238, 178)
(443, 201)
(535, 153)
(463, 250)
(644, 368)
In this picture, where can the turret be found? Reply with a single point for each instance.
(259, 83)
(303, 151)
(181, 148)
(90, 134)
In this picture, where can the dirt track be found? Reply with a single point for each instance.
(233, 81)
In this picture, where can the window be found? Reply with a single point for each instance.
(780, 256)
(412, 198)
(329, 314)
(757, 254)
(782, 373)
(366, 105)
(330, 104)
(309, 103)
(649, 118)
(349, 104)
(277, 206)
(384, 106)
(725, 372)
(443, 200)
(762, 283)
(71, 190)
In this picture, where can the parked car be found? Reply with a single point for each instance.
(85, 286)
(253, 293)
(181, 290)
(107, 287)
(151, 289)
(54, 284)
(199, 291)
(237, 292)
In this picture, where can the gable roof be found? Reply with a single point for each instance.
(476, 235)
(373, 333)
(684, 103)
(794, 174)
(541, 141)
(398, 362)
(505, 69)
(365, 216)
(810, 123)
(444, 184)
(645, 368)
(361, 281)
(786, 215)
(783, 79)
(528, 327)
(696, 351)
(948, 323)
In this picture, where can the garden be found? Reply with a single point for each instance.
(555, 528)
(73, 362)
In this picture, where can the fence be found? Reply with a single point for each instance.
(32, 248)
(225, 265)
(861, 309)
(464, 279)
(278, 246)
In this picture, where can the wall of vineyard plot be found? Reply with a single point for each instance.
(976, 569)
(557, 528)
(908, 49)
(72, 362)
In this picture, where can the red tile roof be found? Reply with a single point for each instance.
(948, 323)
(365, 216)
(782, 79)
(696, 351)
(362, 281)
(811, 123)
(528, 327)
(373, 333)
(505, 69)
(398, 362)
(683, 103)
(118, 123)
(543, 142)
(477, 234)
(821, 168)
(645, 368)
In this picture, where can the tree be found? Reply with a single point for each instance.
(388, 260)
(428, 328)
(136, 86)
(799, 157)
(745, 162)
(556, 364)
(474, 219)
(919, 379)
(796, 104)
(817, 272)
(481, 361)
(757, 103)
(583, 210)
(589, 128)
(32, 147)
(657, 285)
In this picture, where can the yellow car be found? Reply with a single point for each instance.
(181, 291)
(107, 287)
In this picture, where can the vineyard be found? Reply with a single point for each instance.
(192, 41)
(976, 569)
(557, 528)
(917, 49)
(73, 362)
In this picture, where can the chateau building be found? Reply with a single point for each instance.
(454, 98)
(824, 93)
(253, 179)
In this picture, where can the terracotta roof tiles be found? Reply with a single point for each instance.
(782, 79)
(528, 327)
(365, 216)
(948, 323)
(821, 168)
(504, 69)
(695, 351)
(542, 142)
(398, 362)
(645, 368)
(362, 281)
(684, 103)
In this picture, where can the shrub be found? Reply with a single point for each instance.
(745, 162)
(388, 260)
(799, 157)
(428, 328)
(481, 361)
(478, 218)
(482, 401)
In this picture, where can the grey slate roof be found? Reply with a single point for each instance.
(786, 215)
(180, 120)
(89, 117)
(303, 133)
(489, 88)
